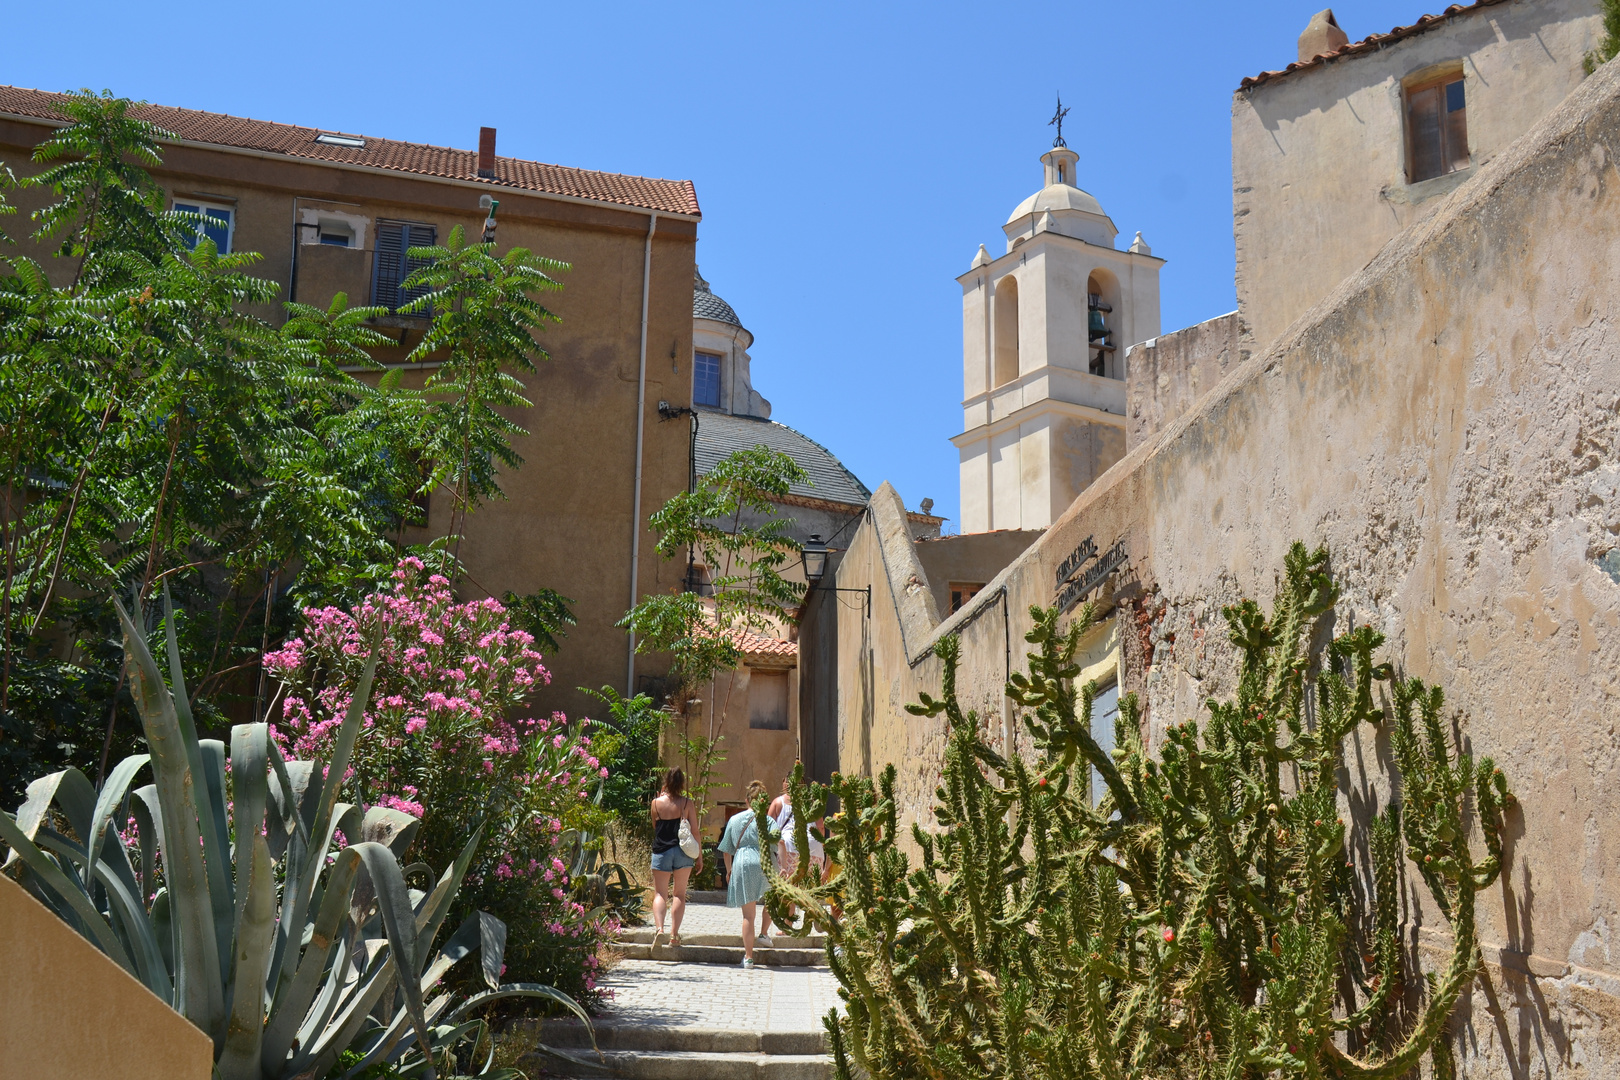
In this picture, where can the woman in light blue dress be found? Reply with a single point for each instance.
(745, 874)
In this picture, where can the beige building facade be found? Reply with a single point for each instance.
(1446, 420)
(331, 212)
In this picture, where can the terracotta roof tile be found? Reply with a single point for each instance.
(762, 646)
(1371, 43)
(668, 196)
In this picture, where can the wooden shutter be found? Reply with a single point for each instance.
(389, 268)
(393, 266)
(418, 236)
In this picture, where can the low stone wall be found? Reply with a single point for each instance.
(1446, 423)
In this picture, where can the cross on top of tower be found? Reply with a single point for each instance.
(1057, 120)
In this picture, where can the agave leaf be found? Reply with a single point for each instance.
(394, 829)
(431, 912)
(163, 931)
(148, 810)
(68, 787)
(400, 923)
(331, 785)
(255, 936)
(250, 779)
(354, 1012)
(207, 760)
(126, 914)
(294, 1002)
(71, 891)
(199, 990)
(534, 990)
(491, 948)
(112, 795)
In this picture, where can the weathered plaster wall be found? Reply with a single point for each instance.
(1167, 375)
(1446, 423)
(66, 1010)
(1319, 155)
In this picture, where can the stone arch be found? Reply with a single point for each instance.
(1006, 328)
(1105, 344)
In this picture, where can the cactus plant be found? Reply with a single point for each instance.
(231, 901)
(1204, 918)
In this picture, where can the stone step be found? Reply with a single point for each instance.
(648, 1052)
(642, 935)
(732, 955)
(688, 1065)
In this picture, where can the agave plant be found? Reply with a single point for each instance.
(300, 957)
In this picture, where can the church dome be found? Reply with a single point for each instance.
(706, 305)
(1060, 207)
(1057, 197)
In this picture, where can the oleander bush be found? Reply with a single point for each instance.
(1207, 916)
(444, 738)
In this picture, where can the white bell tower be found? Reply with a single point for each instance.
(1044, 333)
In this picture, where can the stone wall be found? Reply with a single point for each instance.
(1167, 375)
(1445, 421)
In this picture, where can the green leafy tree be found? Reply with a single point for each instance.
(1610, 45)
(155, 430)
(1202, 918)
(485, 316)
(729, 522)
(628, 749)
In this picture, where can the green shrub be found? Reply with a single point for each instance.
(1205, 918)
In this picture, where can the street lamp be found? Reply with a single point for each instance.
(814, 556)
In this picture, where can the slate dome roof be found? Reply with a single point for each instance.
(721, 434)
(706, 305)
(1057, 197)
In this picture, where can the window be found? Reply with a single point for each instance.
(963, 591)
(706, 379)
(1436, 128)
(1104, 711)
(334, 233)
(768, 700)
(392, 266)
(216, 222)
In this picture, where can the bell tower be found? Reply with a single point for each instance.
(1045, 327)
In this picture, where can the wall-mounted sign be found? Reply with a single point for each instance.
(1098, 572)
(1066, 569)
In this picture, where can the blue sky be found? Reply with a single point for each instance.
(849, 158)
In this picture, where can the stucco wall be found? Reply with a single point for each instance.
(566, 522)
(1446, 423)
(1167, 375)
(1319, 155)
(66, 1010)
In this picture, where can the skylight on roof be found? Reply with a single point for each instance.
(330, 139)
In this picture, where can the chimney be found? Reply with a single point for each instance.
(1322, 35)
(486, 153)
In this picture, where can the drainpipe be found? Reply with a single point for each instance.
(641, 424)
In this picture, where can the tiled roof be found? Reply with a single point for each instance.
(706, 305)
(721, 434)
(1372, 42)
(762, 646)
(668, 196)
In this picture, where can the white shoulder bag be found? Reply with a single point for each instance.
(689, 843)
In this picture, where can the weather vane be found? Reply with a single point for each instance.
(1057, 120)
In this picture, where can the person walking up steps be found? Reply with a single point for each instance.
(745, 873)
(669, 863)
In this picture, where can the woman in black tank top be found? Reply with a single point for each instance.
(671, 867)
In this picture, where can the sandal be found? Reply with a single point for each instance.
(674, 941)
(656, 935)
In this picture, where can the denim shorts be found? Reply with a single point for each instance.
(673, 859)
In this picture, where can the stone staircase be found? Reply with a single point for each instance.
(694, 1013)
